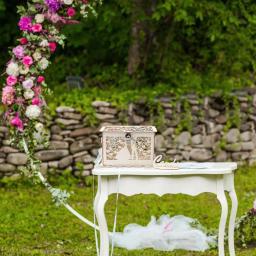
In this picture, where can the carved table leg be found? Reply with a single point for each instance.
(99, 210)
(224, 214)
(97, 197)
(232, 220)
(95, 205)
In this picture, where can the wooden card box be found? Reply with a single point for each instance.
(128, 145)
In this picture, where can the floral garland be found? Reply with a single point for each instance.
(25, 87)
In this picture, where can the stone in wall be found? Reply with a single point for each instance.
(63, 109)
(183, 139)
(246, 136)
(98, 104)
(81, 145)
(5, 168)
(160, 144)
(82, 132)
(50, 155)
(65, 162)
(197, 139)
(221, 156)
(72, 115)
(17, 158)
(200, 155)
(55, 144)
(232, 136)
(66, 122)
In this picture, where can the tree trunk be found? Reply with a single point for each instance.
(135, 55)
(142, 34)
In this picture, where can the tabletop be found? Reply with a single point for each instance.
(185, 168)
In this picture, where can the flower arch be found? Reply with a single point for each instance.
(25, 87)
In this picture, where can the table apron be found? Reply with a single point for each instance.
(160, 185)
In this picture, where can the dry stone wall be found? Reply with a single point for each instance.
(217, 128)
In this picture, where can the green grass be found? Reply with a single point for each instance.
(31, 225)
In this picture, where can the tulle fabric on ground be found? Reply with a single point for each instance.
(165, 234)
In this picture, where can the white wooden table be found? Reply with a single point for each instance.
(216, 178)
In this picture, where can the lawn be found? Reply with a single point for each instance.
(31, 225)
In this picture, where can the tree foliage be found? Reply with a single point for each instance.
(176, 42)
(2, 6)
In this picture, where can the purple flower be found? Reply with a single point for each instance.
(18, 52)
(25, 23)
(53, 5)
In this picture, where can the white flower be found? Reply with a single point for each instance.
(39, 18)
(68, 2)
(28, 94)
(28, 84)
(39, 127)
(38, 136)
(12, 69)
(43, 63)
(37, 56)
(23, 70)
(44, 43)
(254, 205)
(33, 112)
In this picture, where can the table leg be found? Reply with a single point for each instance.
(99, 211)
(95, 205)
(232, 221)
(224, 214)
(97, 197)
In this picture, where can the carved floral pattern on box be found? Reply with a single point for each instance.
(113, 146)
(143, 145)
(137, 149)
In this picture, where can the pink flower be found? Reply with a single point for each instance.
(40, 79)
(53, 17)
(18, 52)
(37, 28)
(52, 46)
(71, 12)
(27, 61)
(8, 95)
(17, 122)
(11, 80)
(36, 101)
(37, 90)
(20, 101)
(23, 40)
(25, 23)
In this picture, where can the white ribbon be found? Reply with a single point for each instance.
(48, 186)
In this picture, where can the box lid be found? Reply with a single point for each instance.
(128, 129)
